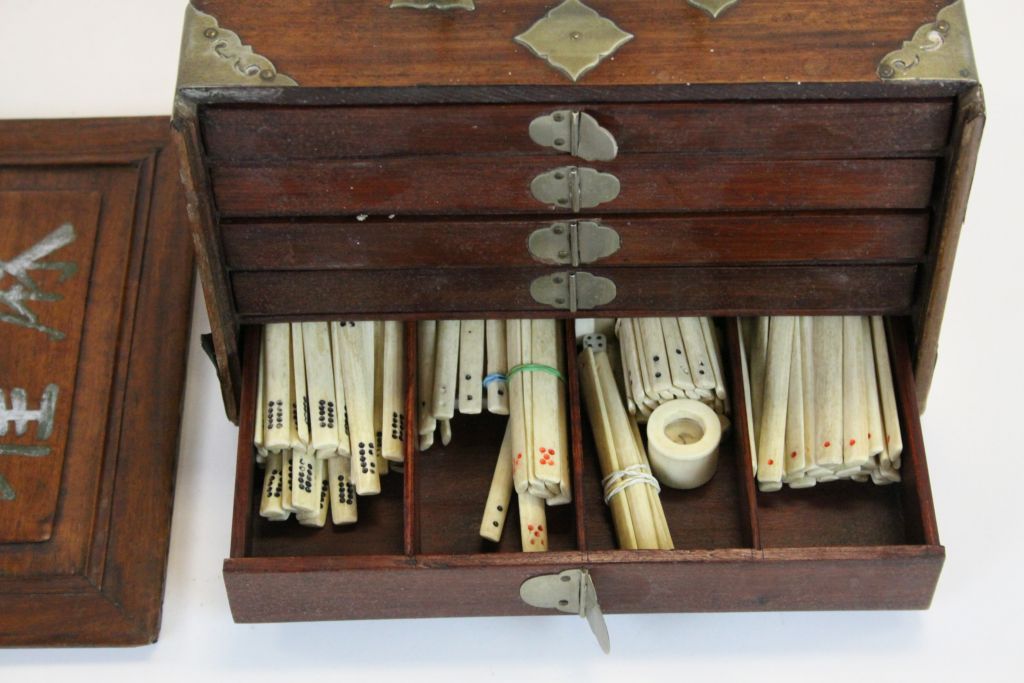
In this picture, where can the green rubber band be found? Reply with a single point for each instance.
(534, 367)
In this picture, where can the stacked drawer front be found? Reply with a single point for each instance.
(723, 207)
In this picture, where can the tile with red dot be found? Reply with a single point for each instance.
(545, 458)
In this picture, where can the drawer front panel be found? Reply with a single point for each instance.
(682, 291)
(649, 183)
(847, 129)
(652, 241)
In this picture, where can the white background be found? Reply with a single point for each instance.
(74, 58)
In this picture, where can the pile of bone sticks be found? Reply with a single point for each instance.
(670, 358)
(630, 489)
(821, 403)
(330, 416)
(514, 368)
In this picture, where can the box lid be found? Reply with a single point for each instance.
(633, 44)
(95, 308)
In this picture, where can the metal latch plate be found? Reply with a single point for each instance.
(576, 133)
(575, 188)
(573, 291)
(573, 243)
(573, 592)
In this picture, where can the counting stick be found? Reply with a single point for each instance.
(796, 453)
(632, 374)
(828, 392)
(653, 499)
(471, 367)
(378, 393)
(887, 393)
(758, 360)
(426, 337)
(771, 442)
(273, 490)
(697, 353)
(446, 431)
(547, 451)
(304, 491)
(260, 425)
(300, 397)
(656, 357)
(446, 369)
(855, 408)
(564, 495)
(807, 376)
(745, 370)
(357, 359)
(324, 427)
(640, 508)
(876, 430)
(288, 470)
(597, 413)
(318, 518)
(678, 363)
(497, 364)
(715, 353)
(339, 391)
(342, 490)
(305, 486)
(532, 523)
(277, 366)
(517, 409)
(393, 443)
(500, 493)
(526, 386)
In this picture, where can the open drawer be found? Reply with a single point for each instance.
(416, 551)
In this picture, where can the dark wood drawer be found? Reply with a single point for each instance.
(847, 129)
(262, 296)
(461, 185)
(378, 244)
(419, 538)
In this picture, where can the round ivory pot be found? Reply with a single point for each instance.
(682, 443)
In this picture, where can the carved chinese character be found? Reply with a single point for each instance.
(18, 414)
(24, 289)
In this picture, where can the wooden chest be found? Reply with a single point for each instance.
(361, 161)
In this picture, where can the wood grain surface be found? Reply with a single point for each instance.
(99, 578)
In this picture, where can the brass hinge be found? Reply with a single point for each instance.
(575, 188)
(574, 243)
(579, 291)
(572, 592)
(576, 133)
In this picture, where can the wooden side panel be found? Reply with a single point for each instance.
(651, 241)
(98, 578)
(847, 129)
(413, 186)
(269, 295)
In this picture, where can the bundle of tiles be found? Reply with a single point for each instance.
(821, 403)
(534, 460)
(459, 364)
(326, 392)
(669, 358)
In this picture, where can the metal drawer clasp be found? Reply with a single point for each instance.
(576, 133)
(573, 291)
(575, 188)
(572, 592)
(574, 243)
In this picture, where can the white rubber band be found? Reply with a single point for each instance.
(617, 482)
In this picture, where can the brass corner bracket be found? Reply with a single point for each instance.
(213, 56)
(713, 7)
(939, 51)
